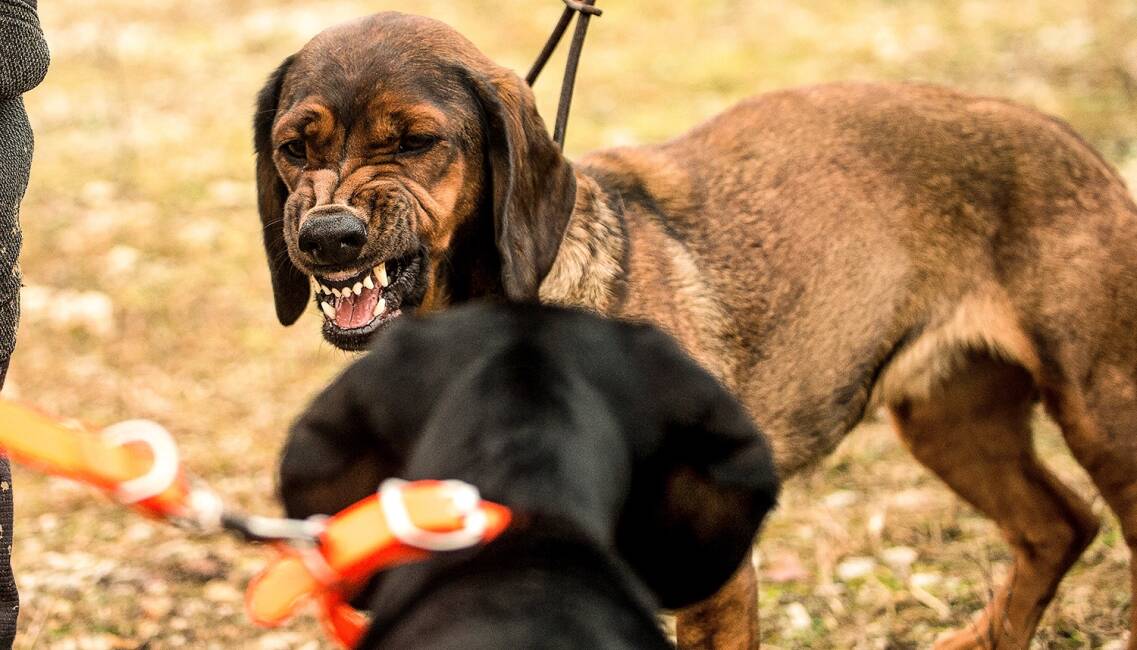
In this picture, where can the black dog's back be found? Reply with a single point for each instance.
(635, 479)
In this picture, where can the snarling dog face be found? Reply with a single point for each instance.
(397, 169)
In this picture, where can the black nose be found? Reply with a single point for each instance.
(333, 237)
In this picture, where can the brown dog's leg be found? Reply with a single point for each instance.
(727, 620)
(974, 433)
(1100, 426)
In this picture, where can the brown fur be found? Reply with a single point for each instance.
(822, 251)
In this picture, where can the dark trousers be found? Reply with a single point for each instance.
(9, 598)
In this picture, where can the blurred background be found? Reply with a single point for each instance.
(147, 295)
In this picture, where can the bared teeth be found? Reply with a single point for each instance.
(328, 310)
(380, 306)
(373, 280)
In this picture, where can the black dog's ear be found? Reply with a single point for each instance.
(330, 458)
(700, 493)
(290, 288)
(534, 188)
(360, 429)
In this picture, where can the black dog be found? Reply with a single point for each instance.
(636, 481)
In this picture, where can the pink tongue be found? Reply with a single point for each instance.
(356, 311)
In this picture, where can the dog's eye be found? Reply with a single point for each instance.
(416, 143)
(295, 149)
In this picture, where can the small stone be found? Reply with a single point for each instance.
(840, 499)
(278, 641)
(875, 525)
(855, 567)
(784, 567)
(157, 608)
(899, 558)
(798, 617)
(219, 591)
(925, 580)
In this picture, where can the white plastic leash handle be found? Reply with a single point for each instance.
(162, 473)
(466, 499)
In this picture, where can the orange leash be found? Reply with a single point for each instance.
(135, 460)
(400, 524)
(322, 559)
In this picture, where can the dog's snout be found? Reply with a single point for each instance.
(333, 237)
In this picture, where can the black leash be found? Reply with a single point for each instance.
(586, 10)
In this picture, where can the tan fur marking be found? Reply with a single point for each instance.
(982, 321)
(590, 259)
(703, 325)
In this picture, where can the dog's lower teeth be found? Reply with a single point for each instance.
(380, 306)
(328, 310)
(358, 288)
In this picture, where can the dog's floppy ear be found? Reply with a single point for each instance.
(359, 430)
(533, 186)
(289, 285)
(701, 489)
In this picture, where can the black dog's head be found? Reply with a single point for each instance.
(607, 425)
(399, 169)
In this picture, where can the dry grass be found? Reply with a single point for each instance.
(148, 296)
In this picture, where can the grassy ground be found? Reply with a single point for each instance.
(147, 295)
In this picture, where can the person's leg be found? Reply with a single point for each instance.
(9, 597)
(12, 121)
(9, 316)
(25, 55)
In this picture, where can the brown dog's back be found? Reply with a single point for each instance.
(953, 258)
(833, 233)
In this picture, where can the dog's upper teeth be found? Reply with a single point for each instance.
(381, 273)
(328, 310)
(380, 306)
(367, 282)
(358, 288)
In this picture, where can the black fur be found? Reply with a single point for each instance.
(636, 479)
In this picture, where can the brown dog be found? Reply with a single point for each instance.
(822, 251)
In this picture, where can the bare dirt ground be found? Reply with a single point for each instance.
(147, 294)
